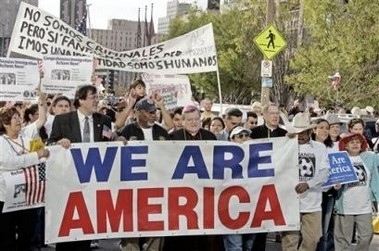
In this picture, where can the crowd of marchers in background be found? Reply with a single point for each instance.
(337, 219)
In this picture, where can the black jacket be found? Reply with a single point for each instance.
(134, 132)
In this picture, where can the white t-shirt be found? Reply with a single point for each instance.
(11, 158)
(356, 196)
(314, 170)
(148, 133)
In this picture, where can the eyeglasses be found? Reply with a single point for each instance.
(243, 135)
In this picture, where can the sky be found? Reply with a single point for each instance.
(103, 10)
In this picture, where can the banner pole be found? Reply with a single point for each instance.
(219, 90)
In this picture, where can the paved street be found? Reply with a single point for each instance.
(112, 244)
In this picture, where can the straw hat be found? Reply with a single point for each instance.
(300, 123)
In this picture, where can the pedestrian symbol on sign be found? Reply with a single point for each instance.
(270, 42)
(271, 38)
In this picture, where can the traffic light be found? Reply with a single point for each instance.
(111, 79)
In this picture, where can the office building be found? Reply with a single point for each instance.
(8, 14)
(72, 11)
(174, 9)
(121, 35)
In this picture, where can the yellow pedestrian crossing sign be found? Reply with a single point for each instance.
(270, 42)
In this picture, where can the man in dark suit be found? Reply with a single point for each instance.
(82, 125)
(269, 129)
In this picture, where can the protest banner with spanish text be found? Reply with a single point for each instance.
(165, 188)
(37, 33)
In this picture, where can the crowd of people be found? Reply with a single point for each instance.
(330, 220)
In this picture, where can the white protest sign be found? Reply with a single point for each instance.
(25, 188)
(37, 33)
(175, 89)
(19, 79)
(63, 74)
(165, 188)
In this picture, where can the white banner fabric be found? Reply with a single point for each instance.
(37, 33)
(165, 188)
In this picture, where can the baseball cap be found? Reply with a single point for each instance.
(145, 104)
(237, 130)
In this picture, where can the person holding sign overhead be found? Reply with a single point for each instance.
(354, 200)
(15, 155)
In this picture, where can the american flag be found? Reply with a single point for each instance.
(107, 132)
(35, 178)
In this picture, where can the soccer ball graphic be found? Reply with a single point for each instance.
(360, 173)
(306, 167)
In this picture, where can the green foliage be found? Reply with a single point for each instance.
(238, 58)
(341, 38)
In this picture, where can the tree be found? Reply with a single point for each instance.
(238, 58)
(344, 38)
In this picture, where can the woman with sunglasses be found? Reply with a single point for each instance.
(234, 242)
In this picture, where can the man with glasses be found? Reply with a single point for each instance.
(192, 126)
(251, 120)
(192, 131)
(233, 118)
(269, 129)
(82, 125)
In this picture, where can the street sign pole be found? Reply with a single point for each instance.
(265, 91)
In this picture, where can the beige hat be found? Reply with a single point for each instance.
(370, 109)
(356, 111)
(332, 119)
(257, 107)
(300, 123)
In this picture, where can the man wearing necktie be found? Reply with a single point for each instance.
(82, 125)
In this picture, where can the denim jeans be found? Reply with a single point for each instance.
(239, 242)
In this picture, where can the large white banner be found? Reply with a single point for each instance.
(175, 89)
(37, 33)
(63, 74)
(19, 79)
(166, 188)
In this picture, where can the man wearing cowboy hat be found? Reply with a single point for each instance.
(313, 172)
